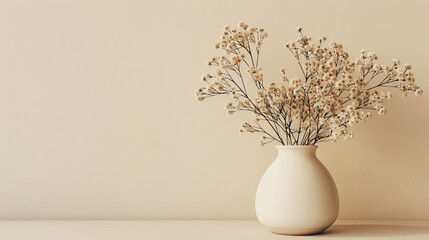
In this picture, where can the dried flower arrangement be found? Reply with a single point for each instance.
(333, 94)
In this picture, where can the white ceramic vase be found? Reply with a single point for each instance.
(296, 194)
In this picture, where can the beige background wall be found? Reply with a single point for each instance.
(98, 118)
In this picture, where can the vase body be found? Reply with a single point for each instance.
(296, 194)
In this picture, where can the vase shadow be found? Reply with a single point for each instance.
(363, 230)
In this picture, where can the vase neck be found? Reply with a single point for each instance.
(304, 151)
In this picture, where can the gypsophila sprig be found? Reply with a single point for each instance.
(331, 96)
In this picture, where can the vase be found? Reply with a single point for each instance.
(297, 194)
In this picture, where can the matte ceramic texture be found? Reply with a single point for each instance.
(296, 194)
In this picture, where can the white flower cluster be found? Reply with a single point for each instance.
(332, 95)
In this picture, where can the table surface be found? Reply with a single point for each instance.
(201, 230)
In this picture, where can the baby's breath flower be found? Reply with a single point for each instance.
(261, 142)
(376, 67)
(350, 108)
(407, 66)
(396, 61)
(327, 101)
(322, 39)
(246, 127)
(388, 95)
(243, 25)
(418, 92)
